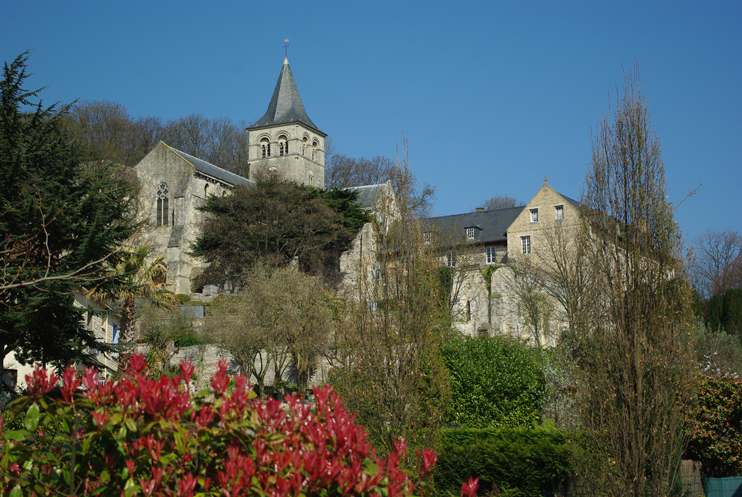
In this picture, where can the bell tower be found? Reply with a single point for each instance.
(285, 141)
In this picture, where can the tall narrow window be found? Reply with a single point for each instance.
(451, 259)
(162, 205)
(468, 310)
(283, 146)
(491, 255)
(534, 215)
(525, 243)
(314, 151)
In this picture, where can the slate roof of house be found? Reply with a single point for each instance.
(491, 226)
(286, 105)
(211, 170)
(367, 194)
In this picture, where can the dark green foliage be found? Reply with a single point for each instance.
(724, 312)
(276, 222)
(60, 225)
(495, 382)
(519, 461)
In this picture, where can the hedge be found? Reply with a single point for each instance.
(519, 461)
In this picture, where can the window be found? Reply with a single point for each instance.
(451, 259)
(468, 310)
(534, 215)
(525, 243)
(426, 238)
(559, 212)
(314, 151)
(470, 233)
(283, 146)
(265, 148)
(162, 205)
(491, 256)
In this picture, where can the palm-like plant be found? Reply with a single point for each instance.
(138, 278)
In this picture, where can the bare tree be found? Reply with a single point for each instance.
(717, 264)
(499, 202)
(535, 309)
(636, 361)
(387, 365)
(342, 171)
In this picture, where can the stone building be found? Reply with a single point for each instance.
(285, 141)
(174, 184)
(471, 242)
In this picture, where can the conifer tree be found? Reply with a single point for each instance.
(61, 223)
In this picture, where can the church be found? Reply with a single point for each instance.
(285, 141)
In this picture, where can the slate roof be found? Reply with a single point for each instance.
(286, 105)
(491, 225)
(210, 169)
(368, 194)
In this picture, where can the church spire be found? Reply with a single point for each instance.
(286, 105)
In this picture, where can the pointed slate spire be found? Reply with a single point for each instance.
(286, 106)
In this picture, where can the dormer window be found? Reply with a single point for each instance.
(559, 212)
(534, 215)
(162, 205)
(470, 233)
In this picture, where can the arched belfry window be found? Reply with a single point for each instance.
(304, 146)
(162, 205)
(265, 147)
(283, 145)
(314, 150)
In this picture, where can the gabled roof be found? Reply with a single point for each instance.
(367, 194)
(286, 105)
(210, 169)
(491, 225)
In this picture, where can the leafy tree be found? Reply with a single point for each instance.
(276, 222)
(61, 224)
(635, 359)
(495, 382)
(499, 202)
(284, 316)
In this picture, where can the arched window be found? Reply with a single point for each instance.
(283, 145)
(314, 150)
(304, 146)
(162, 205)
(265, 148)
(272, 171)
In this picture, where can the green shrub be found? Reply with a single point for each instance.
(519, 461)
(495, 382)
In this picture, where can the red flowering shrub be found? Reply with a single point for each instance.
(716, 431)
(148, 436)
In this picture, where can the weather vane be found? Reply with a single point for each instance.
(286, 48)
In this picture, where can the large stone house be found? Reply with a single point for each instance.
(472, 241)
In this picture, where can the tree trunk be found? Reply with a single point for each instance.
(126, 337)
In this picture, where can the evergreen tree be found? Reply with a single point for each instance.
(61, 223)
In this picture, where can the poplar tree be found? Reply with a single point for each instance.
(635, 359)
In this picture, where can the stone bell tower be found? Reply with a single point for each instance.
(285, 141)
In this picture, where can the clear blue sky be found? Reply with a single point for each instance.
(492, 96)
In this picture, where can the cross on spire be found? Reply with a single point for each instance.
(286, 48)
